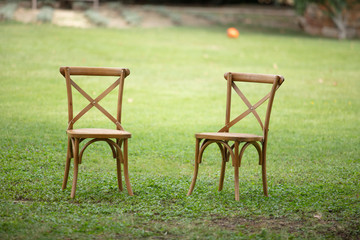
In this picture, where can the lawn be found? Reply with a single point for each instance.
(175, 89)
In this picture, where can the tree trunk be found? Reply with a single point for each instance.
(340, 21)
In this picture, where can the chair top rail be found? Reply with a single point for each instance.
(95, 71)
(254, 77)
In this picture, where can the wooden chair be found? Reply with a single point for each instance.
(223, 137)
(119, 146)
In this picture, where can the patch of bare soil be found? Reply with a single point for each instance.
(152, 19)
(25, 15)
(276, 224)
(70, 18)
(297, 227)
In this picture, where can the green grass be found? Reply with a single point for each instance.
(176, 89)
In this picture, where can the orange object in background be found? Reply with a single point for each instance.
(232, 32)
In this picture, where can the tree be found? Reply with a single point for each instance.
(335, 9)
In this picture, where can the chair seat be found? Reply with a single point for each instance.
(242, 137)
(98, 133)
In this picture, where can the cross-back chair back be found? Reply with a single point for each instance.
(121, 73)
(232, 79)
(118, 146)
(229, 143)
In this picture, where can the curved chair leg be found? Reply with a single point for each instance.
(222, 175)
(76, 167)
(223, 166)
(263, 168)
(126, 171)
(236, 172)
(119, 160)
(196, 169)
(118, 170)
(67, 164)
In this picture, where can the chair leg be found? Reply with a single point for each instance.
(263, 168)
(118, 169)
(223, 166)
(126, 171)
(222, 174)
(196, 169)
(76, 167)
(236, 172)
(67, 164)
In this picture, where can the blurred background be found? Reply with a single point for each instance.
(334, 19)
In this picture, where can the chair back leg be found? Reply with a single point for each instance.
(236, 171)
(263, 170)
(76, 166)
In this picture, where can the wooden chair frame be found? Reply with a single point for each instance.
(223, 136)
(119, 147)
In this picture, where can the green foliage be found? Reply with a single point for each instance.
(212, 17)
(81, 5)
(96, 17)
(331, 6)
(7, 11)
(45, 14)
(335, 9)
(175, 89)
(131, 17)
(47, 2)
(163, 11)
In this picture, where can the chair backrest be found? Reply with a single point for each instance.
(121, 73)
(232, 78)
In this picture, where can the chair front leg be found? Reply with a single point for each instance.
(223, 165)
(196, 169)
(118, 171)
(126, 170)
(222, 175)
(67, 163)
(119, 160)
